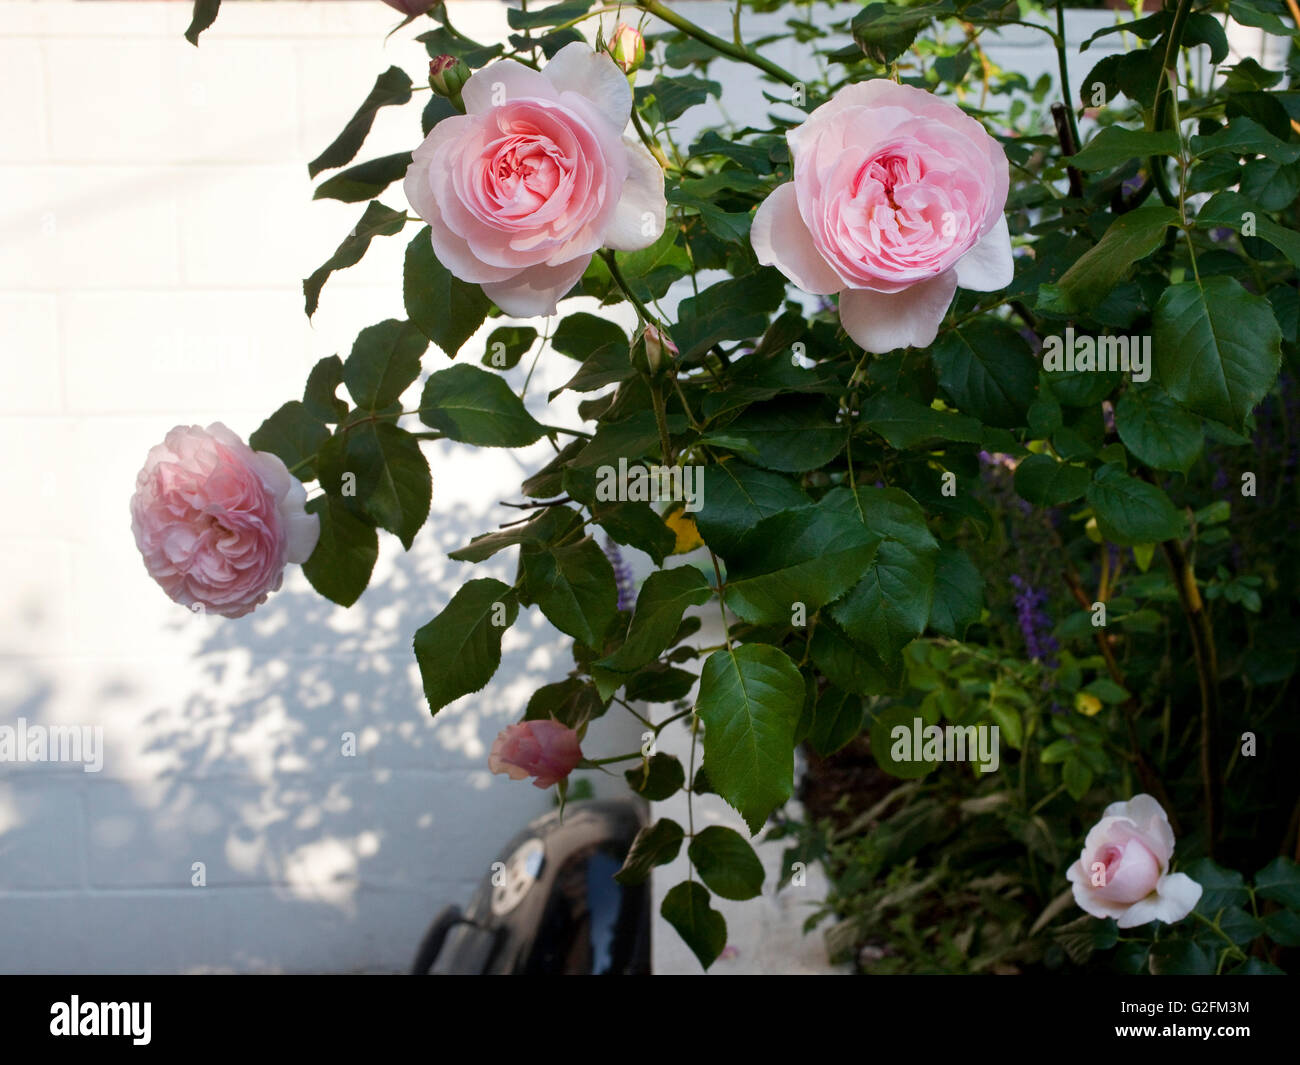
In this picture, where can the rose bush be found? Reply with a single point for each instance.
(989, 429)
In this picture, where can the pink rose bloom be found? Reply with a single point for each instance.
(897, 199)
(217, 521)
(1123, 871)
(546, 750)
(525, 187)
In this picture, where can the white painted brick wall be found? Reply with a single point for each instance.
(155, 221)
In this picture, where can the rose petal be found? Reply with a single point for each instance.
(988, 266)
(454, 253)
(593, 75)
(502, 81)
(639, 217)
(781, 239)
(537, 290)
(883, 321)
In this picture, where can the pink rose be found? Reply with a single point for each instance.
(897, 199)
(217, 521)
(546, 750)
(1123, 871)
(523, 189)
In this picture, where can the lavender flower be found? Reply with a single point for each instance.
(623, 578)
(1035, 622)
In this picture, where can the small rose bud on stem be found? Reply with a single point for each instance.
(447, 76)
(627, 48)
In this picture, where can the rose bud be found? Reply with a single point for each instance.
(447, 75)
(648, 350)
(411, 8)
(543, 749)
(217, 521)
(627, 48)
(1123, 871)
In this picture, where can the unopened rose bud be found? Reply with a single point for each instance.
(627, 48)
(411, 7)
(648, 351)
(447, 76)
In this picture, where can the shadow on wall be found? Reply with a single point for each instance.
(331, 816)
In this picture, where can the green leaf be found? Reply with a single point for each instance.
(1249, 14)
(651, 271)
(1130, 511)
(656, 844)
(377, 221)
(659, 684)
(364, 181)
(1244, 136)
(506, 345)
(673, 96)
(1041, 479)
(847, 665)
(293, 434)
(657, 777)
(460, 649)
(548, 526)
(392, 87)
(1076, 776)
(571, 702)
(1158, 431)
(203, 16)
(726, 863)
(392, 481)
(1280, 881)
(837, 719)
(663, 599)
(1221, 888)
(958, 592)
(1129, 238)
(547, 16)
(574, 586)
(891, 604)
(580, 335)
(1180, 957)
(987, 369)
(320, 397)
(905, 423)
(1217, 347)
(385, 360)
(1283, 927)
(811, 555)
(341, 564)
(736, 498)
(750, 700)
(736, 309)
(791, 435)
(445, 309)
(1232, 210)
(686, 907)
(476, 407)
(1114, 145)
(886, 31)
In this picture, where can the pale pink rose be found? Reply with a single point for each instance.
(896, 199)
(217, 521)
(545, 749)
(1123, 871)
(525, 187)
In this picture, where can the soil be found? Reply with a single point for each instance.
(842, 786)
